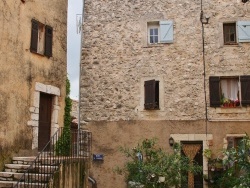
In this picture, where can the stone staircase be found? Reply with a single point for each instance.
(39, 176)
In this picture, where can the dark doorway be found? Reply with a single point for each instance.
(198, 159)
(44, 126)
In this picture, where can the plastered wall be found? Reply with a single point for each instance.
(20, 69)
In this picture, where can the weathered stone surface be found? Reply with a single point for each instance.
(24, 74)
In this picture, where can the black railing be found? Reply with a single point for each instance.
(62, 147)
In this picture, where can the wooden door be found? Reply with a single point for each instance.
(198, 159)
(44, 127)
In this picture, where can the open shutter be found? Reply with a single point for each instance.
(214, 90)
(166, 32)
(245, 90)
(34, 36)
(149, 87)
(48, 41)
(243, 31)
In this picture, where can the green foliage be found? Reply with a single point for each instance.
(63, 145)
(147, 163)
(237, 165)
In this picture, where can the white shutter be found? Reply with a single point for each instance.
(166, 32)
(243, 31)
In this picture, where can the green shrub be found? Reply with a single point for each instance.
(63, 145)
(147, 163)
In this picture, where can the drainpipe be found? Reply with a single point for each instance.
(204, 63)
(93, 181)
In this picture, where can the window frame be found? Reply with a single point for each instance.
(230, 24)
(153, 25)
(165, 31)
(41, 41)
(215, 90)
(152, 94)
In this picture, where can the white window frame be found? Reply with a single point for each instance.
(153, 25)
(165, 31)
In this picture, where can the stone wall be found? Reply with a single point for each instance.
(21, 70)
(116, 58)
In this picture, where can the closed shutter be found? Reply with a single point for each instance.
(166, 32)
(48, 41)
(214, 90)
(149, 87)
(34, 36)
(243, 31)
(245, 90)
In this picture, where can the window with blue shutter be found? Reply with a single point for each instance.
(243, 31)
(166, 32)
(160, 32)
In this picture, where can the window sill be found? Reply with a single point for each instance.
(155, 45)
(231, 110)
(232, 45)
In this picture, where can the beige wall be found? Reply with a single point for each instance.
(116, 60)
(21, 70)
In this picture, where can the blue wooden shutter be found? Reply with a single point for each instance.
(166, 32)
(243, 31)
(34, 36)
(48, 41)
(214, 91)
(245, 90)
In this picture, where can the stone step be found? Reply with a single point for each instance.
(11, 184)
(36, 168)
(7, 184)
(23, 160)
(30, 160)
(13, 176)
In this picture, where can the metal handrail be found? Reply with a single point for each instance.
(75, 147)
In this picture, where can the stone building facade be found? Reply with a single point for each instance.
(33, 73)
(163, 69)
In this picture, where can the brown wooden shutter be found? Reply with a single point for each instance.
(34, 36)
(214, 89)
(149, 87)
(48, 41)
(245, 90)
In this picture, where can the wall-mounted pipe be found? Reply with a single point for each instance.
(93, 181)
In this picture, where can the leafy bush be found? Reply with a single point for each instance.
(236, 162)
(148, 162)
(63, 145)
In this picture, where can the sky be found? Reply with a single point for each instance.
(73, 46)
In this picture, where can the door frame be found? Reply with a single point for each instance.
(206, 140)
(34, 110)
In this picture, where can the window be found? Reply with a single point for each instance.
(233, 142)
(41, 39)
(160, 32)
(240, 29)
(151, 91)
(229, 30)
(229, 91)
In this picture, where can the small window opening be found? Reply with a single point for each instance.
(151, 95)
(229, 32)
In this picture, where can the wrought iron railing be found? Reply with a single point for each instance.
(59, 149)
